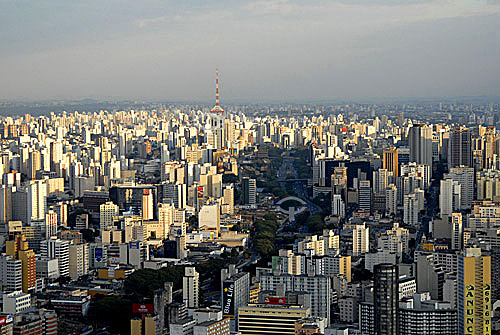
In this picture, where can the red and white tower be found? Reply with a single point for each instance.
(217, 108)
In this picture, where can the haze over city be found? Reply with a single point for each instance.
(277, 167)
(276, 50)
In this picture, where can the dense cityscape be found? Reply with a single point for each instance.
(252, 219)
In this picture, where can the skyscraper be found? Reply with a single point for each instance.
(56, 248)
(420, 141)
(18, 248)
(386, 299)
(365, 196)
(460, 148)
(190, 287)
(107, 211)
(465, 178)
(474, 293)
(390, 161)
(50, 224)
(360, 239)
(78, 260)
(457, 230)
(449, 197)
(249, 191)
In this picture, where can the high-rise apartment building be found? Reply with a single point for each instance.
(360, 239)
(56, 248)
(190, 287)
(50, 224)
(106, 213)
(410, 210)
(449, 197)
(5, 203)
(18, 248)
(465, 178)
(391, 199)
(78, 260)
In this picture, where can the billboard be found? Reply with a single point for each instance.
(228, 299)
(98, 254)
(275, 300)
(6, 319)
(134, 245)
(199, 192)
(143, 308)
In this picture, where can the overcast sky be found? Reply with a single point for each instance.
(265, 50)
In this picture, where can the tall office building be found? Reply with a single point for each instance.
(5, 204)
(365, 196)
(465, 178)
(386, 299)
(390, 161)
(18, 248)
(147, 205)
(56, 248)
(165, 217)
(235, 291)
(474, 293)
(37, 198)
(106, 213)
(360, 239)
(249, 191)
(420, 141)
(460, 148)
(391, 199)
(338, 206)
(449, 197)
(50, 224)
(190, 287)
(410, 210)
(457, 230)
(489, 148)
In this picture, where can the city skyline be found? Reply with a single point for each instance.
(266, 50)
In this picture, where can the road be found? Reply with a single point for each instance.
(298, 186)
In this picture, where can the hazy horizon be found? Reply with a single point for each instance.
(276, 50)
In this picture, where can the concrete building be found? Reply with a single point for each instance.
(56, 248)
(11, 273)
(386, 299)
(16, 302)
(190, 288)
(360, 239)
(78, 260)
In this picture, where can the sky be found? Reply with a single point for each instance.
(266, 50)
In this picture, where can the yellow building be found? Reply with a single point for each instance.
(18, 248)
(474, 293)
(269, 319)
(390, 161)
